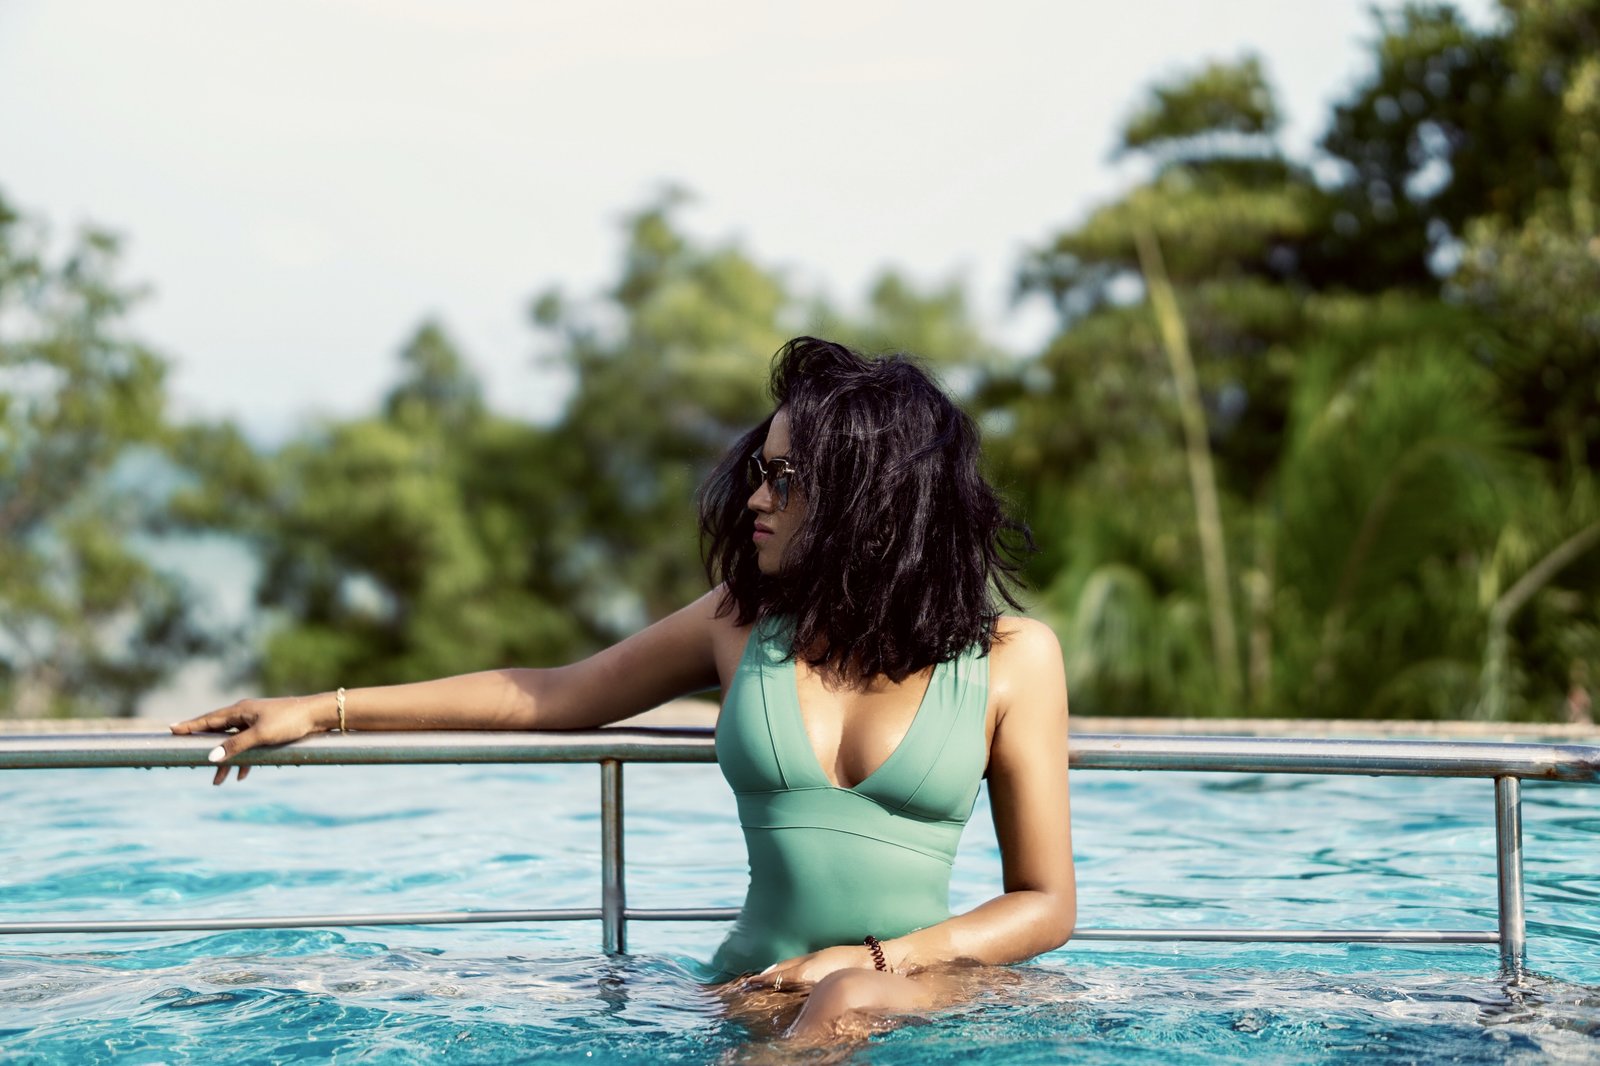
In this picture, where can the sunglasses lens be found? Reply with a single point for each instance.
(777, 475)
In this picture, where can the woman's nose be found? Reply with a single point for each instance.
(761, 499)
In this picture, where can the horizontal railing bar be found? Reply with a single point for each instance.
(1506, 762)
(304, 921)
(1574, 763)
(105, 750)
(1299, 936)
(722, 914)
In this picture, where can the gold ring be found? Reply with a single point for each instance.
(777, 983)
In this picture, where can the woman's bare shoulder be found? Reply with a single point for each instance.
(1016, 636)
(728, 637)
(1025, 658)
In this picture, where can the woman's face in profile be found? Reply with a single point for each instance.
(775, 523)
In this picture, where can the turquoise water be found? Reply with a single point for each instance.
(1152, 849)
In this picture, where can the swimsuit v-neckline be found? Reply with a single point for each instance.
(830, 864)
(797, 724)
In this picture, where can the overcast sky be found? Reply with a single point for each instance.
(302, 181)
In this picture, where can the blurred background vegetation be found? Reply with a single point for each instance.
(1312, 438)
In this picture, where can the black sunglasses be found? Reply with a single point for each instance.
(775, 472)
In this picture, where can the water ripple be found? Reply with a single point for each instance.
(1256, 850)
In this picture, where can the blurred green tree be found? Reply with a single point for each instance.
(670, 366)
(430, 538)
(87, 623)
(667, 368)
(1401, 450)
(1535, 277)
(1310, 440)
(1454, 124)
(437, 537)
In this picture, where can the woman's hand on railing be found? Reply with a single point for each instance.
(258, 722)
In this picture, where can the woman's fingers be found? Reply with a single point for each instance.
(202, 724)
(216, 722)
(256, 721)
(233, 745)
(785, 973)
(233, 717)
(775, 979)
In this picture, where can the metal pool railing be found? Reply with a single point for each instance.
(1506, 764)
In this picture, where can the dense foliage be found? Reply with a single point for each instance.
(1389, 507)
(1315, 437)
(86, 620)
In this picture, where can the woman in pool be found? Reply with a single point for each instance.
(869, 682)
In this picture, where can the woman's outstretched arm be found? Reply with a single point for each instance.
(671, 658)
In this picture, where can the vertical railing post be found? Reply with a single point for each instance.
(613, 897)
(1508, 863)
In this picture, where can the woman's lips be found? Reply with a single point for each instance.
(762, 533)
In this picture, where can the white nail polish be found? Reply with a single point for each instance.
(217, 754)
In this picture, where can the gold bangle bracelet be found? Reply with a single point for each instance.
(340, 699)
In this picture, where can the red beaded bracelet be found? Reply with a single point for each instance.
(874, 946)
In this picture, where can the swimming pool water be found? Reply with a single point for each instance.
(1152, 849)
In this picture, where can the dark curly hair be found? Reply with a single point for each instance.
(905, 551)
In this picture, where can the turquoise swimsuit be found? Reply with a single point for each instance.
(829, 865)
